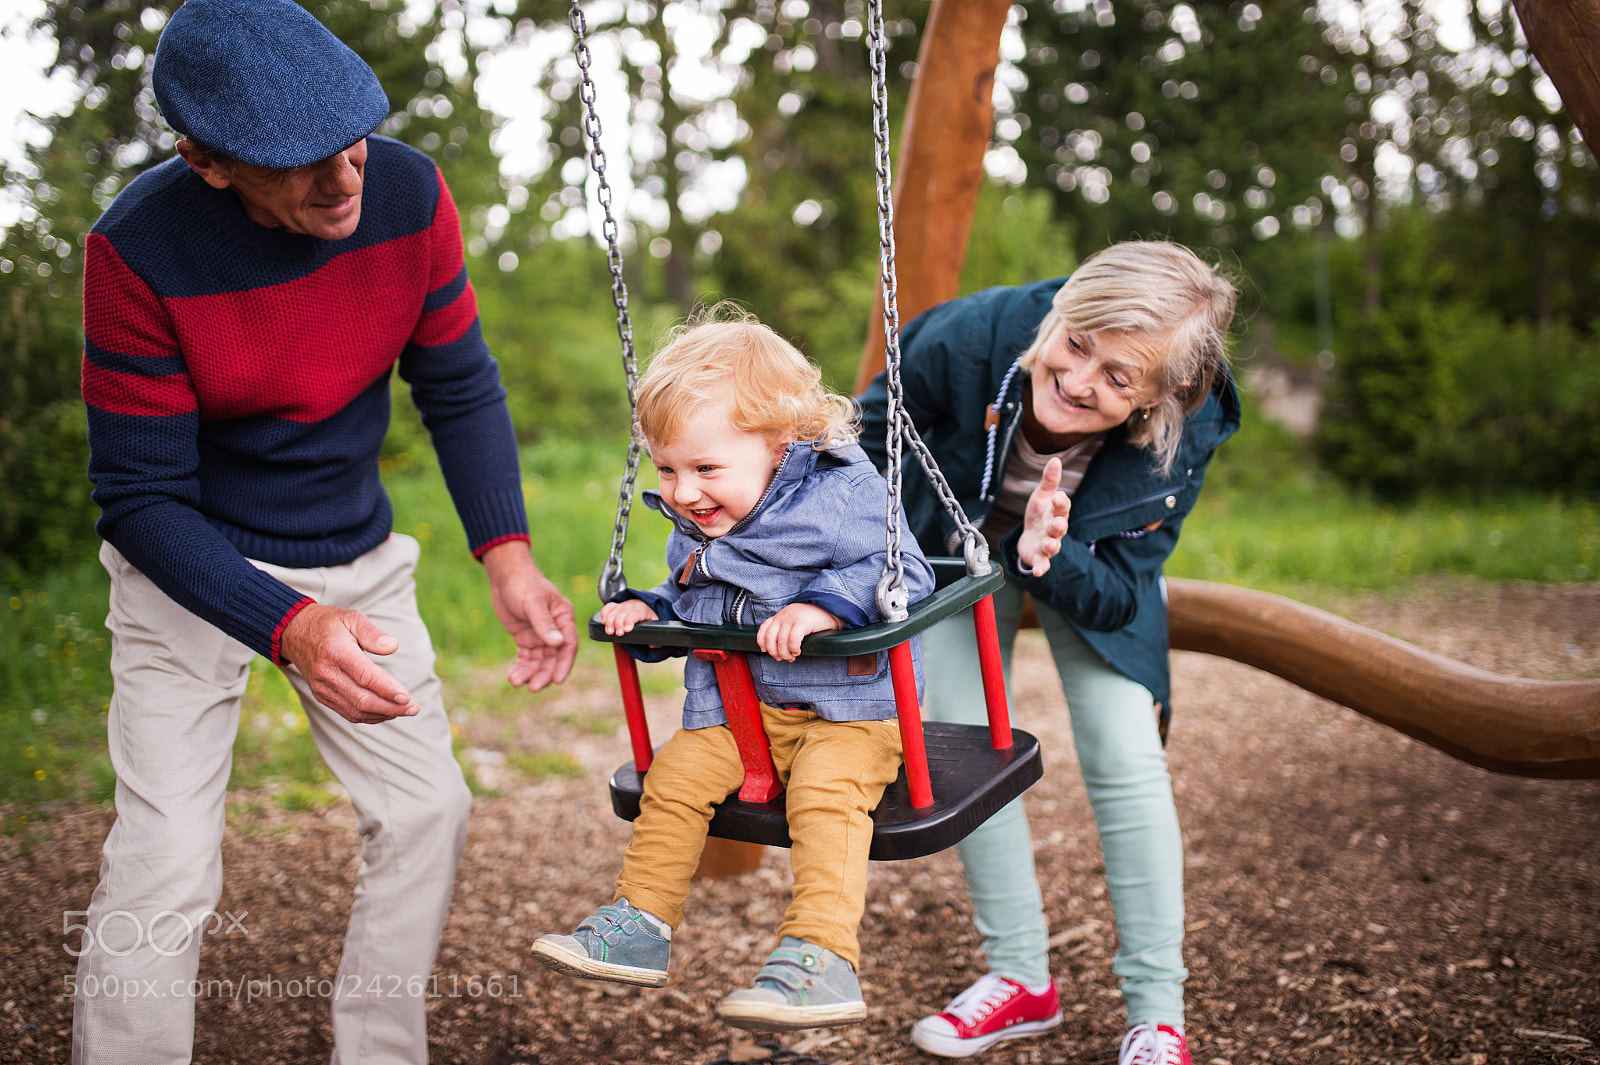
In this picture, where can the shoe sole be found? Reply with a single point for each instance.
(949, 1046)
(765, 1017)
(584, 967)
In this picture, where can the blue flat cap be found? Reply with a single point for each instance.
(264, 82)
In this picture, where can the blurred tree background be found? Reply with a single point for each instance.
(1416, 218)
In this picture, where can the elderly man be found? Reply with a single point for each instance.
(243, 306)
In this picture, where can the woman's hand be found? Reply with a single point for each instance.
(620, 618)
(781, 634)
(1044, 522)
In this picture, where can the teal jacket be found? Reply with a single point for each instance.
(956, 361)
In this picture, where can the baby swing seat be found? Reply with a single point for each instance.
(954, 777)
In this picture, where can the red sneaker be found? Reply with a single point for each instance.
(1154, 1044)
(990, 1010)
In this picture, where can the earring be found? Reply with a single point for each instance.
(1144, 414)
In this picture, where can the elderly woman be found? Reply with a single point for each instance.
(1074, 419)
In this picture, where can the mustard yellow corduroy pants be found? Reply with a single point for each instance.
(834, 773)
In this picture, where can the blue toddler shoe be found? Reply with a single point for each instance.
(802, 985)
(617, 943)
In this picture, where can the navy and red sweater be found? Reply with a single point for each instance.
(237, 380)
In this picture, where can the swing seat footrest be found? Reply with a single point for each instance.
(971, 782)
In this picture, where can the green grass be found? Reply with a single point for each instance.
(545, 763)
(1269, 520)
(1266, 520)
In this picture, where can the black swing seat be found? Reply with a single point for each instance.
(971, 781)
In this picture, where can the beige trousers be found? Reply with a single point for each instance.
(173, 717)
(834, 773)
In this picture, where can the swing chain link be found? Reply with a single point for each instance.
(892, 596)
(891, 589)
(893, 599)
(612, 581)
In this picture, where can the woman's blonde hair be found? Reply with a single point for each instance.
(1176, 306)
(723, 353)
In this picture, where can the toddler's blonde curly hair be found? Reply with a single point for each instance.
(724, 354)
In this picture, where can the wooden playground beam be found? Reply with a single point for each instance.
(938, 169)
(1529, 728)
(1565, 38)
(1507, 724)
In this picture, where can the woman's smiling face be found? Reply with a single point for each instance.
(1085, 383)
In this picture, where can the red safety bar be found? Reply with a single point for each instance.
(994, 677)
(633, 708)
(743, 710)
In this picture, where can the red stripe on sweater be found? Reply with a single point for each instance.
(277, 633)
(448, 322)
(120, 313)
(304, 349)
(126, 393)
(497, 541)
(448, 254)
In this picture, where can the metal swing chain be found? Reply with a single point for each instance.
(612, 581)
(892, 596)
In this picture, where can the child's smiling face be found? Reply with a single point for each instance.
(715, 473)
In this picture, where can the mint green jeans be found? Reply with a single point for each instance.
(1125, 773)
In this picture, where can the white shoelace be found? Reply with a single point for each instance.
(1146, 1044)
(981, 999)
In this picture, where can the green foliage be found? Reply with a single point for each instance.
(1269, 519)
(55, 686)
(274, 742)
(1190, 121)
(1016, 239)
(1433, 393)
(560, 357)
(570, 487)
(801, 248)
(46, 516)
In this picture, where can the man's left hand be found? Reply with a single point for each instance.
(536, 615)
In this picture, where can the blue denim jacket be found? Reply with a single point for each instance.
(816, 536)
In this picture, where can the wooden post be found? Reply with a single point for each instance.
(939, 166)
(1565, 37)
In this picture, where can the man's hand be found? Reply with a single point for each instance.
(327, 644)
(1044, 522)
(781, 634)
(536, 615)
(620, 618)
